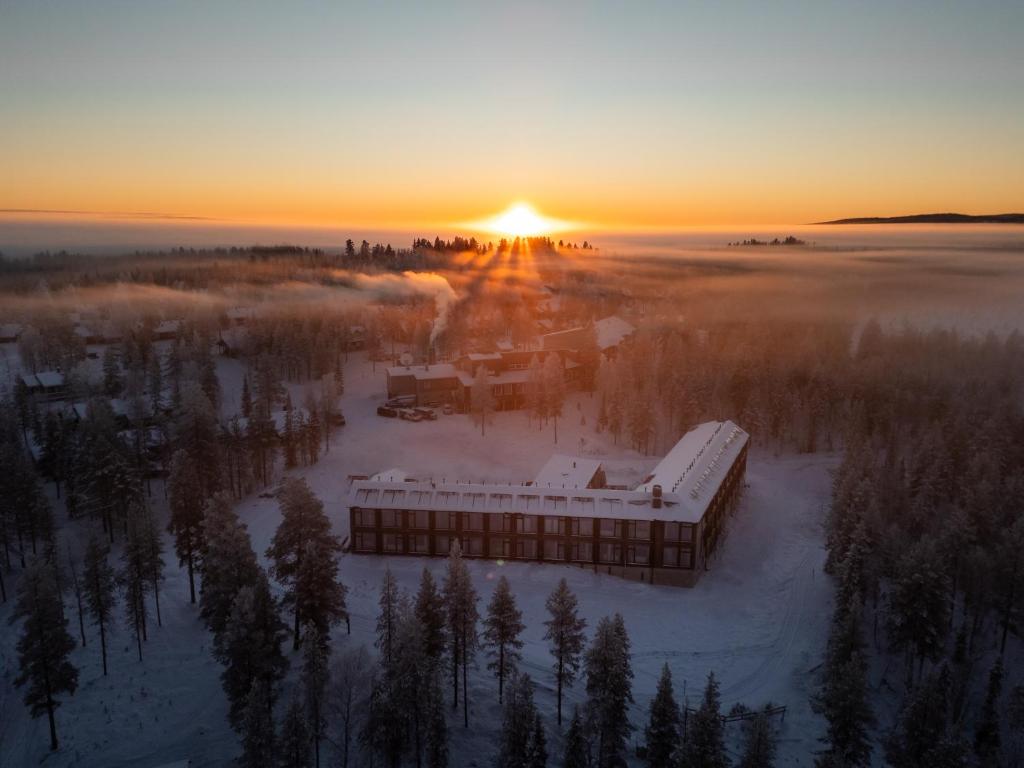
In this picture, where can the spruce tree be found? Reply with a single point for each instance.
(250, 646)
(246, 398)
(987, 729)
(257, 729)
(135, 583)
(79, 592)
(185, 494)
(704, 744)
(518, 724)
(228, 561)
(305, 553)
(502, 627)
(460, 600)
(922, 736)
(609, 690)
(387, 619)
(662, 732)
(294, 747)
(577, 749)
(437, 724)
(918, 616)
(315, 674)
(430, 613)
(44, 645)
(100, 585)
(538, 757)
(759, 742)
(152, 554)
(565, 632)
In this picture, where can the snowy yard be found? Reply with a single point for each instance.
(758, 618)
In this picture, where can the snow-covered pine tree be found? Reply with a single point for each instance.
(79, 593)
(704, 741)
(315, 674)
(384, 732)
(481, 397)
(554, 389)
(987, 741)
(294, 748)
(257, 730)
(135, 583)
(228, 562)
(538, 757)
(152, 553)
(502, 627)
(387, 619)
(44, 645)
(246, 398)
(289, 435)
(922, 736)
(577, 748)
(759, 742)
(250, 646)
(430, 613)
(918, 616)
(662, 732)
(186, 502)
(609, 690)
(460, 601)
(437, 724)
(304, 553)
(565, 632)
(519, 716)
(100, 589)
(843, 697)
(347, 698)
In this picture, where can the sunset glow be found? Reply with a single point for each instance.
(521, 220)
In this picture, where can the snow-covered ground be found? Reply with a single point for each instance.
(758, 618)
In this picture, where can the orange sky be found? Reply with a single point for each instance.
(676, 116)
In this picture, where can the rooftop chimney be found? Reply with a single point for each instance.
(656, 497)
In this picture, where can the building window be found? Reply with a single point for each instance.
(393, 498)
(472, 521)
(392, 542)
(504, 523)
(583, 505)
(473, 546)
(367, 496)
(678, 532)
(475, 500)
(530, 503)
(391, 518)
(554, 504)
(554, 550)
(444, 521)
(364, 518)
(610, 553)
(583, 552)
(640, 529)
(582, 526)
(526, 524)
(673, 556)
(447, 499)
(526, 549)
(554, 525)
(611, 529)
(419, 543)
(365, 542)
(501, 501)
(501, 547)
(639, 554)
(419, 519)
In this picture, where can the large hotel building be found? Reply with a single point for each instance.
(664, 531)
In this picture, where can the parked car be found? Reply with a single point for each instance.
(409, 415)
(447, 409)
(426, 413)
(383, 410)
(405, 401)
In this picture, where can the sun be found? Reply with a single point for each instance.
(521, 220)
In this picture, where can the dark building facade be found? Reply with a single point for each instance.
(649, 534)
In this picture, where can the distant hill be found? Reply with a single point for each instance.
(936, 218)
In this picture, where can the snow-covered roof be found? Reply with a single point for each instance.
(10, 330)
(689, 475)
(698, 462)
(167, 326)
(482, 356)
(390, 476)
(611, 331)
(50, 378)
(424, 372)
(564, 471)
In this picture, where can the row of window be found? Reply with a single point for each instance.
(583, 506)
(673, 556)
(419, 519)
